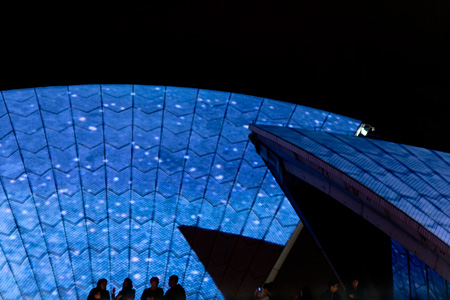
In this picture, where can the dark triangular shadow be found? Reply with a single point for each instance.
(237, 264)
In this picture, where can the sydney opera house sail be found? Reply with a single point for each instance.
(116, 181)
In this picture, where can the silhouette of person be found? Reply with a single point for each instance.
(332, 292)
(356, 292)
(176, 291)
(154, 292)
(127, 292)
(99, 292)
(263, 293)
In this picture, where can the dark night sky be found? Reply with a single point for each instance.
(384, 62)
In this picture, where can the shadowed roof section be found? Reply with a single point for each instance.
(403, 190)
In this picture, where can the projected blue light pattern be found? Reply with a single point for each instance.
(413, 279)
(415, 180)
(95, 181)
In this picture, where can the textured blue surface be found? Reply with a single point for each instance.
(413, 179)
(413, 279)
(95, 181)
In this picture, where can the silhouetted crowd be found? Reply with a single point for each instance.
(154, 292)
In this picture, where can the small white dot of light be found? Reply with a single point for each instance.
(21, 179)
(100, 110)
(105, 104)
(101, 201)
(178, 106)
(192, 169)
(117, 203)
(76, 252)
(157, 88)
(122, 108)
(76, 159)
(67, 175)
(195, 272)
(178, 123)
(135, 259)
(233, 102)
(256, 222)
(64, 212)
(133, 94)
(255, 163)
(307, 113)
(123, 215)
(138, 218)
(113, 104)
(74, 95)
(132, 201)
(146, 153)
(223, 201)
(245, 126)
(156, 138)
(87, 205)
(271, 107)
(92, 230)
(290, 125)
(219, 177)
(104, 230)
(80, 215)
(88, 167)
(137, 147)
(272, 186)
(260, 204)
(54, 293)
(93, 128)
(148, 259)
(227, 219)
(159, 105)
(218, 166)
(105, 160)
(12, 181)
(193, 216)
(116, 179)
(58, 166)
(69, 122)
(89, 190)
(83, 277)
(260, 195)
(38, 204)
(12, 237)
(8, 210)
(137, 227)
(235, 149)
(82, 119)
(203, 105)
(186, 157)
(205, 279)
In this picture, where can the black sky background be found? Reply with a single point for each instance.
(383, 62)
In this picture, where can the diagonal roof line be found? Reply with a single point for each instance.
(394, 222)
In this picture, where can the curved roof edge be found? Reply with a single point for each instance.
(359, 198)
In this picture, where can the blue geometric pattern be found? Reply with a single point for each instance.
(415, 180)
(413, 279)
(95, 181)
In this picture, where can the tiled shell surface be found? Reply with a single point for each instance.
(415, 180)
(96, 179)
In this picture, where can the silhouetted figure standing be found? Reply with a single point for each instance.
(176, 291)
(127, 292)
(263, 293)
(332, 292)
(154, 292)
(356, 292)
(100, 291)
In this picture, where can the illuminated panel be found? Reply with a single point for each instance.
(96, 180)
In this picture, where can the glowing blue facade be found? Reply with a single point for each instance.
(95, 181)
(401, 189)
